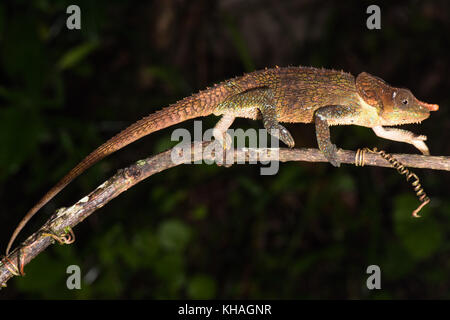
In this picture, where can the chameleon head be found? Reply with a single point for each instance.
(395, 105)
(400, 107)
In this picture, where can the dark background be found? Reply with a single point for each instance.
(202, 231)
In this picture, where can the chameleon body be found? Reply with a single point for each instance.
(291, 94)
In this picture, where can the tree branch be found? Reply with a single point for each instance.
(66, 218)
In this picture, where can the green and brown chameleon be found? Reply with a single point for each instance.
(291, 94)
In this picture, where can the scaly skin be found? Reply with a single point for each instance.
(293, 94)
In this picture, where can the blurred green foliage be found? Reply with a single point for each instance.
(201, 231)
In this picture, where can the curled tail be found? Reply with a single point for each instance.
(200, 104)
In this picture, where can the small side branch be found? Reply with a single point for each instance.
(66, 218)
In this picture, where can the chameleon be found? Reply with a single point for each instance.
(278, 95)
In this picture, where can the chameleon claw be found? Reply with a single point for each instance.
(282, 134)
(222, 147)
(287, 138)
(332, 157)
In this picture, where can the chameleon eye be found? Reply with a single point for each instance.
(405, 101)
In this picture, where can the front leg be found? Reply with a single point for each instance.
(403, 136)
(323, 118)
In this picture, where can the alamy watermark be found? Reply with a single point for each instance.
(374, 280)
(374, 20)
(74, 20)
(74, 279)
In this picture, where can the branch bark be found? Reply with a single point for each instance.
(124, 179)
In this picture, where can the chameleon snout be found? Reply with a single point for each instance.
(431, 107)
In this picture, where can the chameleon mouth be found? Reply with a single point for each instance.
(431, 107)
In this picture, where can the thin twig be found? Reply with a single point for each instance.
(66, 218)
